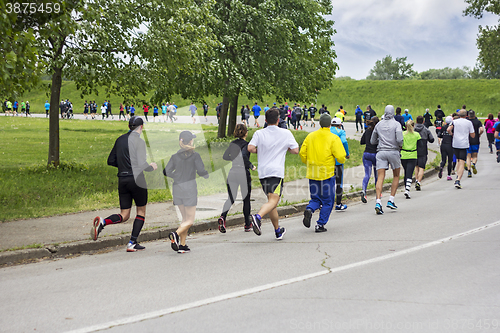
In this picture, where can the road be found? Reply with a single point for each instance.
(430, 266)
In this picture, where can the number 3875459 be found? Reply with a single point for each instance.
(32, 7)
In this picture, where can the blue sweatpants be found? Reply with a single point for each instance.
(322, 196)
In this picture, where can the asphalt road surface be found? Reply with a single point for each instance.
(431, 266)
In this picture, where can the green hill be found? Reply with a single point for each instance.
(415, 95)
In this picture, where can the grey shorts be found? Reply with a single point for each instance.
(386, 158)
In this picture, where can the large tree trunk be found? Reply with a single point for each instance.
(233, 113)
(223, 117)
(55, 93)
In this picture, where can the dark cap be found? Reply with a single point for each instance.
(186, 136)
(135, 122)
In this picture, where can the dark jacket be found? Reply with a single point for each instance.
(365, 140)
(426, 136)
(182, 168)
(238, 153)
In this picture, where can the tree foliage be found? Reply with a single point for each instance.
(446, 73)
(488, 40)
(389, 69)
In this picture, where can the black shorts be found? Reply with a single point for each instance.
(272, 185)
(460, 154)
(422, 161)
(305, 118)
(128, 190)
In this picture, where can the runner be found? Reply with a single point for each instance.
(23, 108)
(474, 143)
(336, 128)
(183, 167)
(103, 110)
(490, 131)
(321, 151)
(28, 109)
(446, 150)
(407, 116)
(256, 114)
(205, 110)
(312, 113)
(461, 128)
(164, 112)
(298, 116)
(389, 137)
(409, 154)
(422, 151)
(359, 118)
(47, 109)
(238, 176)
(122, 113)
(271, 144)
(305, 115)
(129, 156)
(497, 137)
(369, 156)
(132, 111)
(427, 118)
(399, 118)
(145, 108)
(86, 110)
(192, 110)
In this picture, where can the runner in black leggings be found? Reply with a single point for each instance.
(409, 154)
(446, 150)
(238, 176)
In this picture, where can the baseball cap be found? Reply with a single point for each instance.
(336, 121)
(406, 110)
(186, 136)
(135, 122)
(449, 119)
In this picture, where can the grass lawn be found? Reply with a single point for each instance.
(85, 182)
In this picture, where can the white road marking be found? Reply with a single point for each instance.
(163, 312)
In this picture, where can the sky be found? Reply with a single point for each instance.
(431, 33)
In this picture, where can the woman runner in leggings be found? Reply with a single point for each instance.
(409, 154)
(238, 176)
(369, 156)
(446, 150)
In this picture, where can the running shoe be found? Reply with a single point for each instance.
(391, 205)
(498, 156)
(417, 186)
(319, 228)
(97, 227)
(134, 247)
(174, 239)
(378, 209)
(469, 174)
(280, 233)
(256, 223)
(248, 228)
(307, 218)
(474, 170)
(453, 172)
(449, 178)
(183, 249)
(407, 195)
(363, 198)
(440, 174)
(222, 224)
(340, 207)
(457, 184)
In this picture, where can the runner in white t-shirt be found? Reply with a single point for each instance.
(460, 129)
(271, 144)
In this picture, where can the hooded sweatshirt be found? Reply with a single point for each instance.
(426, 136)
(182, 168)
(387, 133)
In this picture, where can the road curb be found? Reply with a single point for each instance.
(88, 246)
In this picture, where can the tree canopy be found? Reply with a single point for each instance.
(389, 69)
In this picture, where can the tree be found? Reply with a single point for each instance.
(488, 40)
(389, 69)
(446, 73)
(274, 47)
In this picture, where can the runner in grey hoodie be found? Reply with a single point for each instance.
(388, 135)
(426, 136)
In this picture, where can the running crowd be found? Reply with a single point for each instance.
(394, 141)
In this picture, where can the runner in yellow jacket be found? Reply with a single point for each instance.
(319, 151)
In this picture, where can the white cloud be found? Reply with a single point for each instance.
(431, 33)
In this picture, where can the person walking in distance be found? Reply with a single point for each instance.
(271, 144)
(47, 108)
(409, 154)
(389, 138)
(422, 151)
(369, 156)
(182, 168)
(446, 149)
(474, 143)
(461, 128)
(192, 110)
(129, 156)
(256, 114)
(320, 152)
(205, 111)
(238, 176)
(145, 108)
(336, 129)
(427, 118)
(312, 114)
(359, 118)
(490, 131)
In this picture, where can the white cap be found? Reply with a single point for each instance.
(336, 121)
(406, 110)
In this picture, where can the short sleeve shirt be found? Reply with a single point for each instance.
(461, 129)
(272, 144)
(476, 123)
